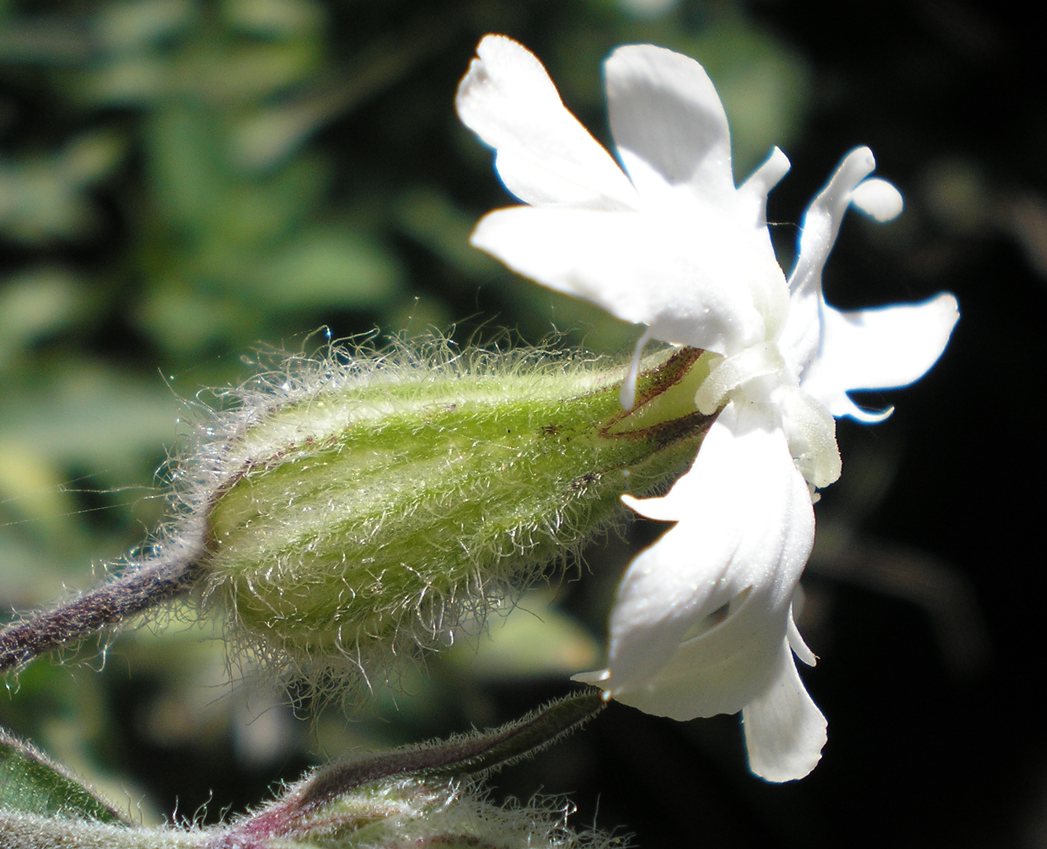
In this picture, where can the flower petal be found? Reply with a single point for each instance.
(878, 349)
(668, 123)
(784, 730)
(665, 592)
(544, 155)
(679, 277)
(821, 224)
(674, 650)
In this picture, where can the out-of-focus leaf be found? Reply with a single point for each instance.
(31, 488)
(44, 197)
(534, 639)
(267, 135)
(47, 41)
(30, 783)
(135, 80)
(38, 202)
(88, 416)
(257, 214)
(250, 72)
(34, 304)
(187, 165)
(435, 222)
(127, 27)
(338, 267)
(78, 449)
(184, 321)
(275, 18)
(645, 9)
(91, 157)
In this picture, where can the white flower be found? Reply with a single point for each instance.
(702, 623)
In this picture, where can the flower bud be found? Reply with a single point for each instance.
(360, 508)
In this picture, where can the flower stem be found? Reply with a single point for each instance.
(31, 831)
(140, 588)
(472, 754)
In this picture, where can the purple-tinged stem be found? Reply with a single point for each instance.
(135, 591)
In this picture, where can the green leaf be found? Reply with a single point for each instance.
(322, 267)
(31, 784)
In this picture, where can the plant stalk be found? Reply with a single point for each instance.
(138, 589)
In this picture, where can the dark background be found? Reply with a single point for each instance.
(182, 182)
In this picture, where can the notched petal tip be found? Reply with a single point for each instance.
(495, 55)
(668, 123)
(543, 154)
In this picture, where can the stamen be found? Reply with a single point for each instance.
(732, 372)
(627, 394)
(821, 223)
(766, 177)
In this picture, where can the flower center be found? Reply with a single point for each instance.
(734, 374)
(759, 375)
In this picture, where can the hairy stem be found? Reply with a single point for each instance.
(475, 753)
(470, 754)
(135, 591)
(31, 831)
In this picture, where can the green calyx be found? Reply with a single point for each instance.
(379, 510)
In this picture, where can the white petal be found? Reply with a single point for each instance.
(679, 277)
(689, 494)
(821, 224)
(671, 587)
(744, 542)
(878, 349)
(544, 155)
(668, 123)
(784, 730)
